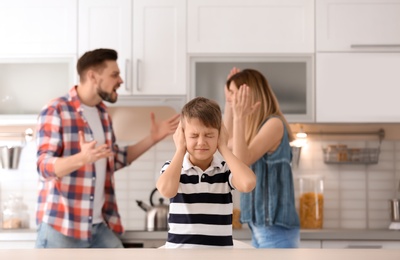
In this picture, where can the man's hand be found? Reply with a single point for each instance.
(160, 130)
(90, 153)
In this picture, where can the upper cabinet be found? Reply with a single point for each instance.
(251, 26)
(357, 61)
(150, 36)
(38, 28)
(358, 88)
(107, 24)
(358, 25)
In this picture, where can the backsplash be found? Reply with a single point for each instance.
(356, 196)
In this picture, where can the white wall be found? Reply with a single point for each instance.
(356, 196)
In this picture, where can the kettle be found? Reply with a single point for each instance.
(156, 215)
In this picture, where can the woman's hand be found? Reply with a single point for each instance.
(242, 103)
(233, 71)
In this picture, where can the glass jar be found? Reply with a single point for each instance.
(311, 204)
(15, 213)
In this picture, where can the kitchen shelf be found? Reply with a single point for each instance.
(351, 155)
(341, 154)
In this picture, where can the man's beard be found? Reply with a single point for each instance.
(106, 96)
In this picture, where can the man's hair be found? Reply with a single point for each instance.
(94, 59)
(205, 110)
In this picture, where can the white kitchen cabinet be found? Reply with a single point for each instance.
(310, 244)
(357, 87)
(107, 24)
(358, 25)
(17, 244)
(360, 244)
(150, 37)
(22, 97)
(38, 28)
(250, 26)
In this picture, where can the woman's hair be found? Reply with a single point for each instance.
(260, 91)
(94, 59)
(205, 110)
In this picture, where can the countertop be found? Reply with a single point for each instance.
(200, 254)
(241, 234)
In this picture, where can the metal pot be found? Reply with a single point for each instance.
(156, 215)
(9, 156)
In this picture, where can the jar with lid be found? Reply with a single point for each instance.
(311, 204)
(15, 213)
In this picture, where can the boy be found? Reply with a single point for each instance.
(199, 183)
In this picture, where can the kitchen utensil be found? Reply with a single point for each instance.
(296, 151)
(156, 215)
(395, 211)
(9, 156)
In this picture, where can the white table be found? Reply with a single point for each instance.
(201, 254)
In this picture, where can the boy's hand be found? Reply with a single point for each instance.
(223, 138)
(179, 138)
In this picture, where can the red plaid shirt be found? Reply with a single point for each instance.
(67, 203)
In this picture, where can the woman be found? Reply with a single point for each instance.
(260, 137)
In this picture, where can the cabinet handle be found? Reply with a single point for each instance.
(365, 246)
(375, 46)
(137, 75)
(127, 72)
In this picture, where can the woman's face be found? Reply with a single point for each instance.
(231, 91)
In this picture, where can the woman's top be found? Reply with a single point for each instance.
(272, 201)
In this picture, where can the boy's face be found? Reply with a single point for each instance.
(201, 142)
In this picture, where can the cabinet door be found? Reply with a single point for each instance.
(251, 26)
(310, 244)
(358, 25)
(17, 244)
(108, 24)
(358, 87)
(361, 244)
(38, 27)
(159, 47)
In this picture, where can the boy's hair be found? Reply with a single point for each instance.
(205, 110)
(94, 59)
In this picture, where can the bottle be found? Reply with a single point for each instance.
(311, 205)
(15, 215)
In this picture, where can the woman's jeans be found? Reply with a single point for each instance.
(274, 237)
(102, 237)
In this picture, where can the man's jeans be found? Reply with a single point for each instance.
(102, 237)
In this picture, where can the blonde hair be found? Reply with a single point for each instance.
(260, 91)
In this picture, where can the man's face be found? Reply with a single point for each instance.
(201, 142)
(108, 81)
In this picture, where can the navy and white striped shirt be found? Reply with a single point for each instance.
(200, 215)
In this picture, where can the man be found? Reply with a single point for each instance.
(77, 157)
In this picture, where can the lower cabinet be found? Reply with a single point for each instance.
(361, 244)
(310, 244)
(17, 244)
